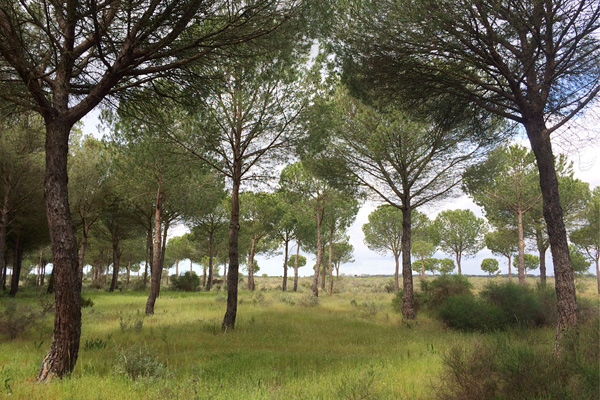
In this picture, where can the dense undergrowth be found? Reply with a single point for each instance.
(289, 345)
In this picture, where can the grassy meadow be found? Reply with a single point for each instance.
(351, 345)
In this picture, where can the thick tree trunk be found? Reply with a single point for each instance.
(330, 262)
(17, 261)
(408, 303)
(64, 348)
(315, 284)
(251, 264)
(156, 268)
(563, 269)
(521, 248)
(285, 267)
(296, 268)
(211, 251)
(397, 272)
(234, 264)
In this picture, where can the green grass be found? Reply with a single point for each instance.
(350, 346)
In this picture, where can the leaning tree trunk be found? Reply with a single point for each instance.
(296, 268)
(64, 348)
(408, 302)
(156, 268)
(285, 267)
(234, 263)
(563, 269)
(17, 262)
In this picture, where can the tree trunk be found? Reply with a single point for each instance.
(82, 247)
(17, 261)
(177, 266)
(64, 348)
(458, 257)
(521, 248)
(285, 267)
(397, 272)
(323, 270)
(128, 271)
(106, 274)
(234, 264)
(156, 268)
(315, 284)
(408, 303)
(563, 269)
(116, 262)
(509, 268)
(148, 254)
(191, 264)
(330, 262)
(296, 267)
(3, 230)
(225, 270)
(598, 275)
(542, 252)
(251, 264)
(422, 267)
(211, 251)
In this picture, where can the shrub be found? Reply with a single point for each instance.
(308, 300)
(390, 287)
(505, 369)
(519, 304)
(420, 298)
(87, 302)
(467, 313)
(436, 291)
(139, 362)
(15, 319)
(187, 282)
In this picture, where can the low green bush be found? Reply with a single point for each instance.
(436, 291)
(519, 304)
(17, 318)
(139, 362)
(187, 282)
(468, 313)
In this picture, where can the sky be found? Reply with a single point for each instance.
(580, 142)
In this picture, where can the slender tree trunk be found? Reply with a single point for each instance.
(82, 247)
(521, 248)
(330, 262)
(315, 284)
(296, 267)
(397, 272)
(64, 348)
(323, 270)
(204, 276)
(285, 266)
(148, 254)
(458, 257)
(563, 269)
(422, 267)
(542, 253)
(408, 303)
(116, 261)
(509, 268)
(234, 265)
(211, 255)
(17, 261)
(251, 264)
(107, 269)
(177, 266)
(191, 264)
(3, 230)
(156, 269)
(598, 275)
(225, 271)
(43, 272)
(128, 271)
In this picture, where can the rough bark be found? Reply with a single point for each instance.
(234, 265)
(64, 348)
(553, 215)
(408, 303)
(285, 267)
(296, 268)
(156, 269)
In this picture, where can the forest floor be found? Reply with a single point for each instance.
(351, 345)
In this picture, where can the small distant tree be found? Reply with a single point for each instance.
(460, 233)
(580, 264)
(445, 266)
(296, 261)
(502, 242)
(531, 262)
(490, 265)
(587, 238)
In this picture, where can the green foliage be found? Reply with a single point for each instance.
(445, 266)
(17, 318)
(578, 260)
(87, 302)
(133, 322)
(292, 261)
(436, 291)
(504, 368)
(490, 265)
(139, 362)
(460, 232)
(532, 262)
(467, 313)
(96, 343)
(308, 300)
(520, 305)
(187, 282)
(384, 230)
